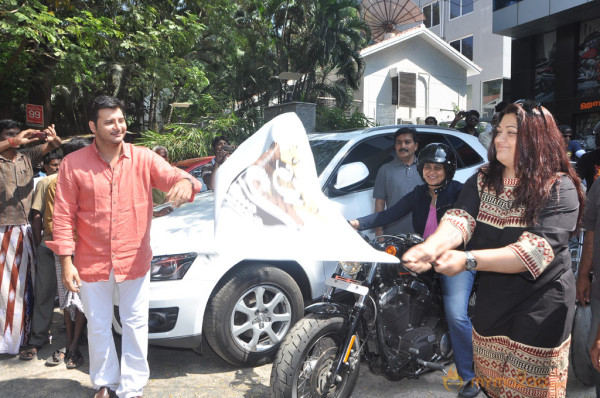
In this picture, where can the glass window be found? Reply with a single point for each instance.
(460, 7)
(454, 9)
(435, 13)
(465, 155)
(456, 45)
(588, 72)
(374, 153)
(499, 4)
(491, 93)
(464, 46)
(395, 90)
(584, 129)
(197, 173)
(432, 14)
(467, 47)
(467, 6)
(323, 151)
(545, 60)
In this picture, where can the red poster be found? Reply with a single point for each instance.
(35, 115)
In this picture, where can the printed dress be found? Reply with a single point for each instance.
(522, 322)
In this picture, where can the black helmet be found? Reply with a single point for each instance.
(440, 154)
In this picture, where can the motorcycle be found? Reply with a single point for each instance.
(385, 314)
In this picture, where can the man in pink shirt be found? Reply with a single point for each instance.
(104, 194)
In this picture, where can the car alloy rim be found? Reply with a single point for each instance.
(261, 318)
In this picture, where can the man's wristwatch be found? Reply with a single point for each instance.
(471, 262)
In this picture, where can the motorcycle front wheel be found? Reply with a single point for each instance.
(306, 357)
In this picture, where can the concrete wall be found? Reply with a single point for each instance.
(307, 112)
(490, 51)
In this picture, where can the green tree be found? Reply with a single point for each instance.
(37, 37)
(73, 50)
(321, 39)
(219, 55)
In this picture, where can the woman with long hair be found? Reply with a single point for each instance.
(517, 214)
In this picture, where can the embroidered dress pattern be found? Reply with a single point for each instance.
(535, 252)
(506, 368)
(496, 210)
(461, 220)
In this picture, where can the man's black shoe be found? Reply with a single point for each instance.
(469, 390)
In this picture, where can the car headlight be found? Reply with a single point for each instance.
(171, 267)
(350, 267)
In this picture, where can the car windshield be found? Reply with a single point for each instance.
(323, 151)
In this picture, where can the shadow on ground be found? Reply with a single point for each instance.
(44, 388)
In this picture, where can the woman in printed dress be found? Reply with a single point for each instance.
(517, 213)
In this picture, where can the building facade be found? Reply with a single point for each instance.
(467, 26)
(412, 75)
(555, 56)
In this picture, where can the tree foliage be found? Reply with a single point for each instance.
(219, 55)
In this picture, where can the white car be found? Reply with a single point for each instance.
(245, 307)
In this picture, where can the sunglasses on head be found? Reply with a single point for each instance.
(529, 105)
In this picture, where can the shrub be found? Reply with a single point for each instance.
(329, 119)
(185, 141)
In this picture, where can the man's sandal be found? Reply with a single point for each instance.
(74, 359)
(57, 357)
(28, 353)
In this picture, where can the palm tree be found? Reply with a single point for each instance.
(320, 39)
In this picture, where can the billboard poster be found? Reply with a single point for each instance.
(588, 68)
(269, 203)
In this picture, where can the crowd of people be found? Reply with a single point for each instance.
(80, 233)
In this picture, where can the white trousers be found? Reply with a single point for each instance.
(134, 298)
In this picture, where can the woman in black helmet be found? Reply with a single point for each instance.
(428, 203)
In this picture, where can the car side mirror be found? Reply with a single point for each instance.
(351, 174)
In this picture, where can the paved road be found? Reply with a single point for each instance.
(184, 374)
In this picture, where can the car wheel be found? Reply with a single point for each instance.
(250, 313)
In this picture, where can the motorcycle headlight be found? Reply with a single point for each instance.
(350, 267)
(171, 267)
